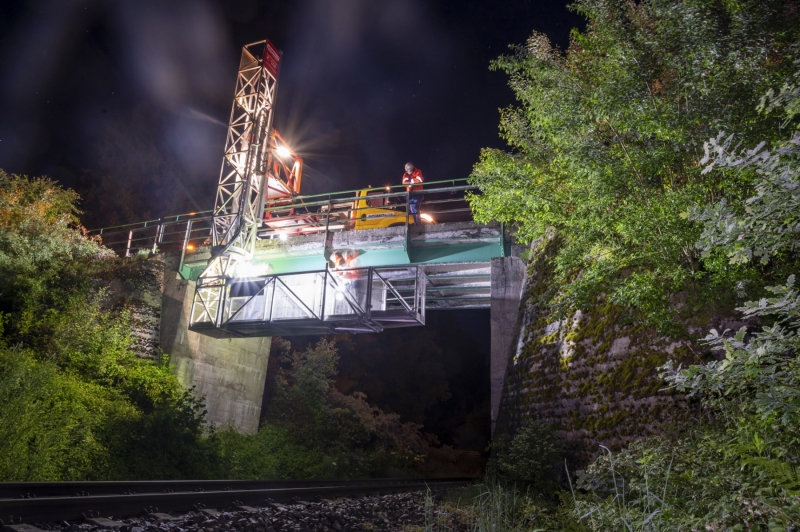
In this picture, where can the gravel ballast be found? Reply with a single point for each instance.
(395, 512)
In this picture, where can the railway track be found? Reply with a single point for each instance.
(28, 502)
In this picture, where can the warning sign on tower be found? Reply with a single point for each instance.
(272, 59)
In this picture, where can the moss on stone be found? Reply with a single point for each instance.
(593, 375)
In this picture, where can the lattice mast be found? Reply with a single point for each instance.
(238, 207)
(239, 203)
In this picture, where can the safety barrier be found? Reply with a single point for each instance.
(439, 201)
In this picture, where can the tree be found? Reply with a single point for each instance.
(352, 437)
(606, 139)
(760, 374)
(746, 455)
(76, 403)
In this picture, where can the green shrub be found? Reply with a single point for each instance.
(272, 453)
(52, 424)
(531, 456)
(355, 438)
(605, 140)
(76, 403)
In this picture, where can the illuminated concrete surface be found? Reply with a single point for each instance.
(508, 279)
(229, 373)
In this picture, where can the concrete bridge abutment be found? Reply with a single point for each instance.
(508, 279)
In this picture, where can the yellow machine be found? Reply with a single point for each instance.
(377, 213)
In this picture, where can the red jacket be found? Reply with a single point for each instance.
(414, 180)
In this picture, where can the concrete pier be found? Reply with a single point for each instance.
(230, 373)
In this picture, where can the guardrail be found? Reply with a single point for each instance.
(183, 231)
(439, 201)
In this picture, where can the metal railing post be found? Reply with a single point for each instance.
(368, 309)
(408, 213)
(128, 248)
(185, 243)
(157, 238)
(327, 225)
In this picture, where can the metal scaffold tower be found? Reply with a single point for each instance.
(245, 176)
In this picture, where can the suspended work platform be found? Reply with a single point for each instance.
(319, 302)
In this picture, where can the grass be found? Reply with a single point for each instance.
(487, 507)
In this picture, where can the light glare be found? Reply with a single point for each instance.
(283, 151)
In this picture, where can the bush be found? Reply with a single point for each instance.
(272, 453)
(355, 438)
(76, 403)
(531, 457)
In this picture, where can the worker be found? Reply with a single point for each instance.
(343, 260)
(413, 180)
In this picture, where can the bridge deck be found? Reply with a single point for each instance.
(445, 243)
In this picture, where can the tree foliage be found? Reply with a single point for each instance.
(355, 438)
(607, 137)
(531, 456)
(663, 147)
(76, 403)
(760, 373)
(742, 467)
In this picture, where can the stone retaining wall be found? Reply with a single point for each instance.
(593, 375)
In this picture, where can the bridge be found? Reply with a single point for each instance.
(351, 261)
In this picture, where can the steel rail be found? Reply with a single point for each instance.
(39, 502)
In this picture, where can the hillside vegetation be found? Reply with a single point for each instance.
(662, 150)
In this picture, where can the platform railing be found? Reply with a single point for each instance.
(314, 302)
(439, 201)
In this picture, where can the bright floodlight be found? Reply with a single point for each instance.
(283, 236)
(427, 218)
(246, 269)
(283, 151)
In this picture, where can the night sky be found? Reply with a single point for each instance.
(127, 101)
(139, 92)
